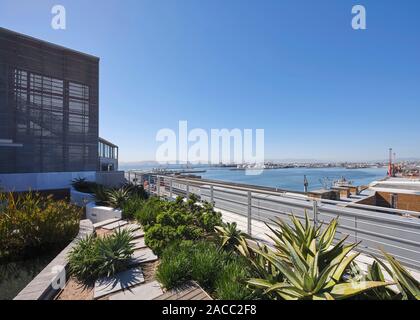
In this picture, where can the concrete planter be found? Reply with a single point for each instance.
(80, 198)
(97, 213)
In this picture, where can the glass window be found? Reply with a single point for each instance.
(40, 104)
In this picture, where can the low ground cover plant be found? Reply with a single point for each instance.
(220, 273)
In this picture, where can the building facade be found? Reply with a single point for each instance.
(48, 109)
(108, 155)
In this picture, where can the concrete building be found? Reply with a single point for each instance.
(49, 113)
(397, 193)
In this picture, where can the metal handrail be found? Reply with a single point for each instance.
(281, 193)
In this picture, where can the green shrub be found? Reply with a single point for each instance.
(149, 211)
(30, 223)
(159, 236)
(101, 257)
(207, 218)
(168, 222)
(131, 207)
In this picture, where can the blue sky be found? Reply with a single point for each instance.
(295, 68)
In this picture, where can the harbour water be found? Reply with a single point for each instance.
(292, 178)
(289, 178)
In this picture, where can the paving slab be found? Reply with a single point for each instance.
(118, 282)
(139, 243)
(143, 256)
(115, 225)
(130, 227)
(146, 291)
(138, 234)
(105, 222)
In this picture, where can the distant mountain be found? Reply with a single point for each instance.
(292, 160)
(137, 165)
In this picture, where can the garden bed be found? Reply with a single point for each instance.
(75, 290)
(191, 244)
(125, 237)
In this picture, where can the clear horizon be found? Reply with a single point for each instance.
(280, 161)
(296, 69)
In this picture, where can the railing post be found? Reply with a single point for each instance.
(129, 176)
(249, 213)
(355, 228)
(148, 184)
(211, 195)
(188, 190)
(170, 188)
(315, 213)
(158, 185)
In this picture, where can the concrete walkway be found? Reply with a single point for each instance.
(146, 291)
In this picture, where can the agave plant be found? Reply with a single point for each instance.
(114, 252)
(117, 197)
(95, 257)
(83, 259)
(229, 235)
(136, 190)
(260, 265)
(82, 185)
(101, 195)
(408, 287)
(311, 265)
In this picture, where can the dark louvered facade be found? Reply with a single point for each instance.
(48, 107)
